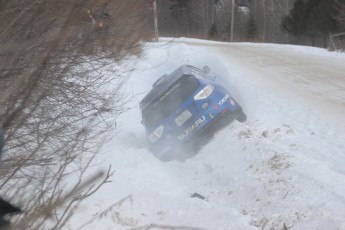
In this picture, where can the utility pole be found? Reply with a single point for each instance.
(232, 21)
(155, 19)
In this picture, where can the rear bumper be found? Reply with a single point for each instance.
(166, 150)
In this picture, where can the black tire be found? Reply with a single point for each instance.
(242, 117)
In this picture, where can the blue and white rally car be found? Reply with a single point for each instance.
(181, 105)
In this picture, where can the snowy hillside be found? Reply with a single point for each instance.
(282, 168)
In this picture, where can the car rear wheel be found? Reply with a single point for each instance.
(241, 117)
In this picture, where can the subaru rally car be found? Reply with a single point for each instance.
(181, 105)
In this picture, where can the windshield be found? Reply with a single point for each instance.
(170, 100)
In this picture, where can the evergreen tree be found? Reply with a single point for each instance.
(252, 29)
(212, 33)
(311, 17)
(295, 22)
(320, 19)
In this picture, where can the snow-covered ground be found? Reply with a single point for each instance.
(281, 169)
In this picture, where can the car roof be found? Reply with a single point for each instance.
(164, 83)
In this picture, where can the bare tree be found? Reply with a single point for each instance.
(337, 41)
(340, 12)
(57, 60)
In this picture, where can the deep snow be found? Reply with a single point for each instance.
(283, 167)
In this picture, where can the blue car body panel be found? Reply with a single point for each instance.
(167, 131)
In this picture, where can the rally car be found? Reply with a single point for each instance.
(181, 105)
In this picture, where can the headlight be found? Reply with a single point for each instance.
(205, 92)
(155, 135)
(183, 117)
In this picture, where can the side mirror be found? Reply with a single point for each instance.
(206, 69)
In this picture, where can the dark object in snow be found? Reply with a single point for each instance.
(5, 209)
(265, 134)
(197, 195)
(4, 224)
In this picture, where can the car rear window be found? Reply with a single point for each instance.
(170, 100)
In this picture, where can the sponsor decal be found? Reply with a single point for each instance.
(221, 102)
(196, 124)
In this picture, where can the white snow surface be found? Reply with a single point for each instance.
(281, 169)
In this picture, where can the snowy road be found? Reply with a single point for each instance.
(282, 168)
(314, 79)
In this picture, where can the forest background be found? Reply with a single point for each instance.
(302, 22)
